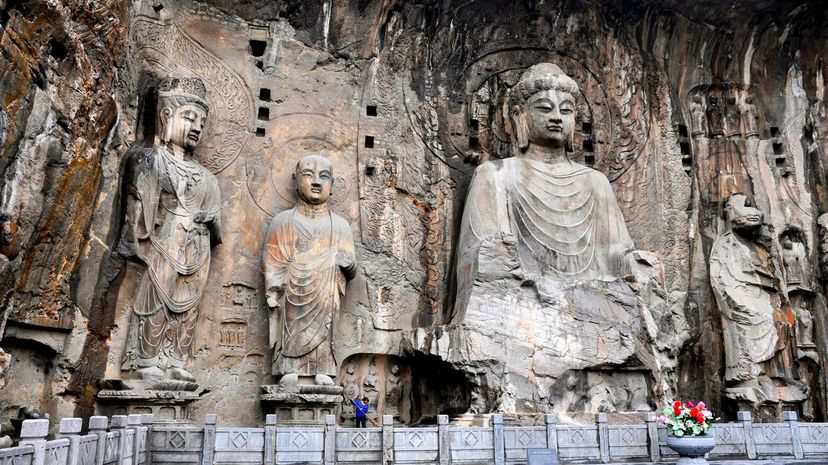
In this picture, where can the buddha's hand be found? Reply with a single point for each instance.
(274, 297)
(204, 217)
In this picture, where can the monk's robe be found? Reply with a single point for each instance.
(309, 260)
(564, 218)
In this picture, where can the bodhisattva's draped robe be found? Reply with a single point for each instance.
(310, 259)
(166, 194)
(564, 217)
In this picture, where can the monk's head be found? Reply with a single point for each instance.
(542, 108)
(314, 177)
(741, 214)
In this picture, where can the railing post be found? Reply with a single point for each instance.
(551, 431)
(118, 423)
(208, 447)
(652, 436)
(387, 439)
(70, 428)
(443, 439)
(796, 437)
(330, 439)
(499, 440)
(747, 424)
(33, 433)
(603, 437)
(147, 419)
(134, 424)
(97, 426)
(270, 440)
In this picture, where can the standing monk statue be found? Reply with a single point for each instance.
(172, 221)
(308, 257)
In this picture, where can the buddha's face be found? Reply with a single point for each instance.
(550, 118)
(314, 177)
(741, 214)
(185, 126)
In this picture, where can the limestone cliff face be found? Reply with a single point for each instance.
(405, 98)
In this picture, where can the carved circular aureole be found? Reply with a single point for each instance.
(479, 98)
(270, 172)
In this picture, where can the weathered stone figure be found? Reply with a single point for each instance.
(750, 119)
(795, 261)
(742, 281)
(822, 224)
(804, 327)
(393, 392)
(714, 117)
(698, 118)
(308, 257)
(172, 221)
(563, 216)
(732, 118)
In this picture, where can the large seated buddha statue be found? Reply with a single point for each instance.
(552, 297)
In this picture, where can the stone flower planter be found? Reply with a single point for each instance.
(691, 449)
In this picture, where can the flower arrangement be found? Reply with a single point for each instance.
(687, 419)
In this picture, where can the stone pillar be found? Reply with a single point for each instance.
(97, 426)
(747, 424)
(443, 439)
(70, 428)
(330, 439)
(270, 440)
(387, 439)
(208, 448)
(33, 433)
(652, 437)
(118, 424)
(603, 437)
(551, 431)
(499, 440)
(796, 437)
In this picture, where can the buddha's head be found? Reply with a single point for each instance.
(741, 214)
(314, 178)
(542, 108)
(182, 111)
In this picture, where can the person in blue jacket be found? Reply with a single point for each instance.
(361, 408)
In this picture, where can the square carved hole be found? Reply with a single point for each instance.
(587, 146)
(257, 47)
(259, 64)
(264, 95)
(777, 149)
(586, 127)
(369, 142)
(264, 114)
(589, 159)
(371, 110)
(474, 143)
(685, 148)
(474, 125)
(687, 162)
(260, 132)
(682, 130)
(774, 131)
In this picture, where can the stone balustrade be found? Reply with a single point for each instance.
(139, 440)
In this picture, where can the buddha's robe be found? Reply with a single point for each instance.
(165, 196)
(564, 218)
(309, 260)
(742, 282)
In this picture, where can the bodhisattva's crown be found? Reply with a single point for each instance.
(188, 87)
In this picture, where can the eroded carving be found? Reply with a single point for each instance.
(698, 117)
(172, 221)
(750, 118)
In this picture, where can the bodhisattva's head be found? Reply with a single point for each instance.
(314, 178)
(741, 214)
(182, 112)
(542, 108)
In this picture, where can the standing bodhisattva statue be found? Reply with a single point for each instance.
(562, 216)
(308, 257)
(172, 222)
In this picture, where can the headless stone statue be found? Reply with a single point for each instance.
(308, 257)
(714, 118)
(750, 119)
(698, 118)
(173, 220)
(562, 216)
(732, 118)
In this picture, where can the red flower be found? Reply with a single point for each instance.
(696, 413)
